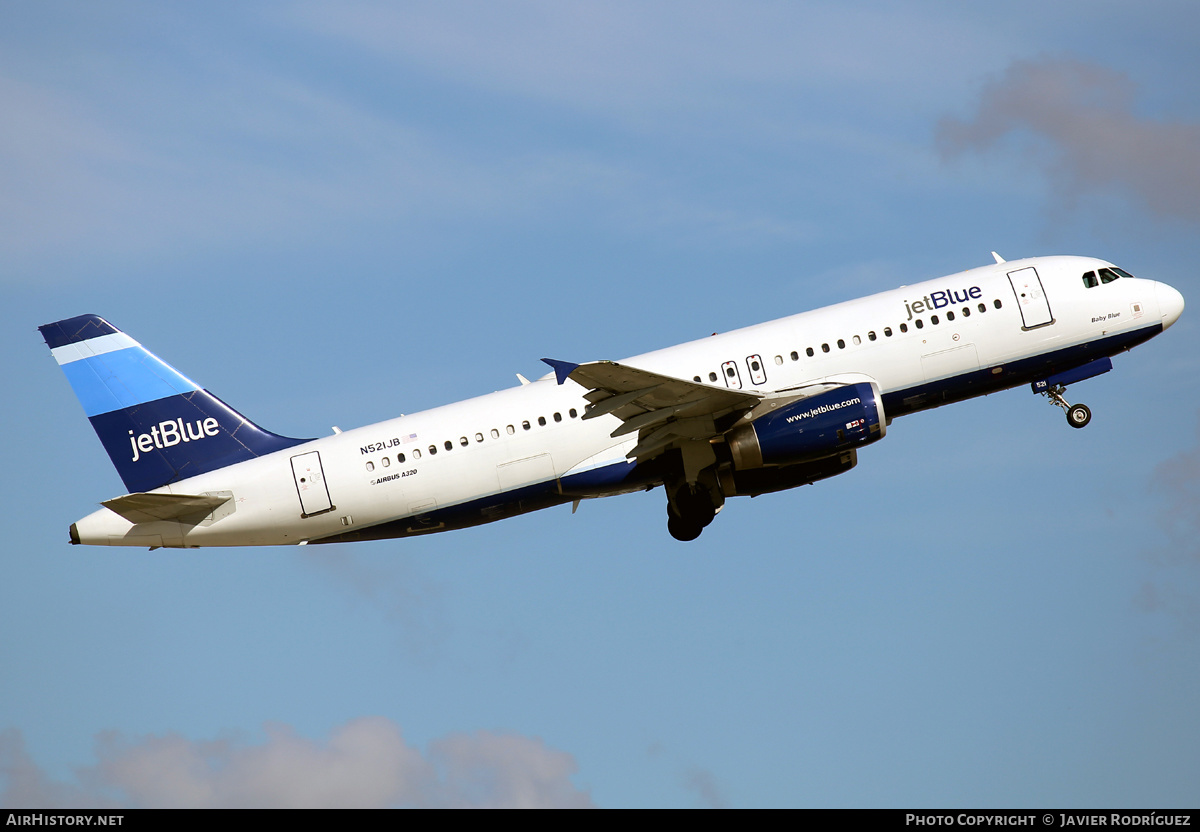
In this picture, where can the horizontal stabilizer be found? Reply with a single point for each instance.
(147, 508)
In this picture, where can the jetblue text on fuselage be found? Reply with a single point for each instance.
(171, 432)
(824, 408)
(938, 300)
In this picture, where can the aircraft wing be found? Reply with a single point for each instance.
(663, 410)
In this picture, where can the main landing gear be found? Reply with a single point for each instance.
(689, 509)
(1078, 415)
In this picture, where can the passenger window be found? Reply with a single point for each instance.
(370, 465)
(511, 430)
(433, 450)
(904, 327)
(695, 378)
(416, 453)
(542, 421)
(933, 319)
(824, 348)
(525, 424)
(871, 335)
(856, 340)
(400, 457)
(462, 440)
(949, 316)
(795, 355)
(1089, 280)
(572, 412)
(479, 437)
(712, 376)
(996, 303)
(982, 308)
(966, 311)
(917, 323)
(558, 416)
(779, 359)
(495, 433)
(386, 462)
(841, 344)
(809, 352)
(887, 332)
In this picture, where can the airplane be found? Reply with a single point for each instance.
(742, 413)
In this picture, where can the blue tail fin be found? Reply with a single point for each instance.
(157, 426)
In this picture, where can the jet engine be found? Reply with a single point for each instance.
(804, 440)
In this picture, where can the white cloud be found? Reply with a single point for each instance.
(1177, 484)
(365, 763)
(26, 786)
(488, 770)
(405, 596)
(1172, 586)
(265, 157)
(649, 63)
(1078, 122)
(704, 784)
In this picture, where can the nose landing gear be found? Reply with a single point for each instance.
(1078, 415)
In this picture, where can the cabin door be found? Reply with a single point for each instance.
(1031, 298)
(310, 484)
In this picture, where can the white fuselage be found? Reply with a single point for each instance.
(522, 444)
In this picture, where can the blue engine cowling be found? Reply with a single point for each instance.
(811, 428)
(782, 477)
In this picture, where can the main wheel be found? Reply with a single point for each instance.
(1078, 415)
(682, 530)
(689, 512)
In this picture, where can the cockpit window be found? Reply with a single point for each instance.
(1106, 275)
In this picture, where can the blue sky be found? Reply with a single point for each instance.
(330, 215)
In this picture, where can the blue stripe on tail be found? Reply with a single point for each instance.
(157, 425)
(125, 378)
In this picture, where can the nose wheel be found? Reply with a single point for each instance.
(1078, 415)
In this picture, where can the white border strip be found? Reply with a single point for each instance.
(93, 346)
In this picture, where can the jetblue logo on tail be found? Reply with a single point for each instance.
(157, 425)
(166, 434)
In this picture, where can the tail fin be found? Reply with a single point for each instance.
(157, 426)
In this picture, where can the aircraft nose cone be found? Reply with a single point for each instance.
(1170, 303)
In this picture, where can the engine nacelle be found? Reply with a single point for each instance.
(782, 477)
(811, 428)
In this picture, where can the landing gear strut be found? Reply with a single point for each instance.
(1078, 415)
